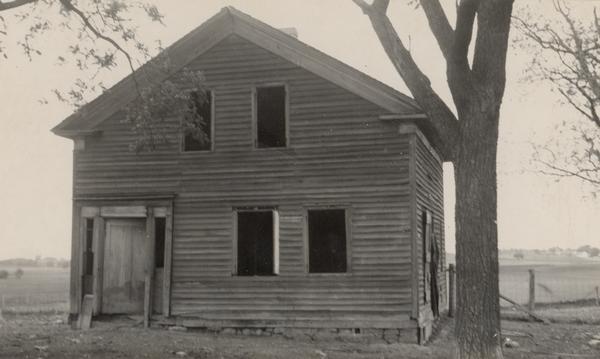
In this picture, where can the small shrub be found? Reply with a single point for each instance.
(19, 273)
(4, 274)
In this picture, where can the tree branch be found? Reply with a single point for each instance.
(438, 22)
(14, 4)
(70, 7)
(563, 172)
(579, 54)
(491, 45)
(381, 6)
(419, 85)
(460, 77)
(465, 19)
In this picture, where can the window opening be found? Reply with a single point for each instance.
(271, 117)
(257, 243)
(198, 125)
(327, 241)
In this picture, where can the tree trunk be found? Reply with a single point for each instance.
(478, 309)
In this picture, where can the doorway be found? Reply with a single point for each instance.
(431, 259)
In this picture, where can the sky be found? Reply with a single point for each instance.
(534, 210)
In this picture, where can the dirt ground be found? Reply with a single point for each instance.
(48, 336)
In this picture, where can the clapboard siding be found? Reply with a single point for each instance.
(339, 154)
(429, 196)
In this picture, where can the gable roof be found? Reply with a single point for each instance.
(232, 21)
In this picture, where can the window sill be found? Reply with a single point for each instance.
(199, 152)
(345, 274)
(282, 148)
(255, 278)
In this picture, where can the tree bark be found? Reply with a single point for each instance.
(478, 308)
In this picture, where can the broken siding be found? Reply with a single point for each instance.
(339, 154)
(430, 196)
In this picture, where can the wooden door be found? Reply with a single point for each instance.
(124, 260)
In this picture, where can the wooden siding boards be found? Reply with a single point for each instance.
(228, 21)
(430, 197)
(339, 154)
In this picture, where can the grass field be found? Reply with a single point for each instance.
(40, 289)
(554, 282)
(559, 279)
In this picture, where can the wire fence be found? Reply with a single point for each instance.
(551, 288)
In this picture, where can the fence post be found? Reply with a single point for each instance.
(451, 290)
(531, 305)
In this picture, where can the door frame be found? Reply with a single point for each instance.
(99, 210)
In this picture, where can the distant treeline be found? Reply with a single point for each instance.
(37, 262)
(583, 251)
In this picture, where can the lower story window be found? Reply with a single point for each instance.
(327, 241)
(257, 243)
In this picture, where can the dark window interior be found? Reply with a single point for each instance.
(270, 117)
(89, 249)
(197, 127)
(327, 241)
(255, 243)
(159, 244)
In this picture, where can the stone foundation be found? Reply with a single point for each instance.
(389, 336)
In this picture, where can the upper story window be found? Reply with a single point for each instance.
(198, 126)
(270, 114)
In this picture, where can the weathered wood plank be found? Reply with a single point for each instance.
(123, 211)
(85, 317)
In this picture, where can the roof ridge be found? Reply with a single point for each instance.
(240, 14)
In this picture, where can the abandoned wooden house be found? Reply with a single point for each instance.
(315, 202)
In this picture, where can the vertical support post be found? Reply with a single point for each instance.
(77, 233)
(531, 305)
(597, 296)
(451, 290)
(149, 277)
(168, 262)
(414, 222)
(98, 246)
